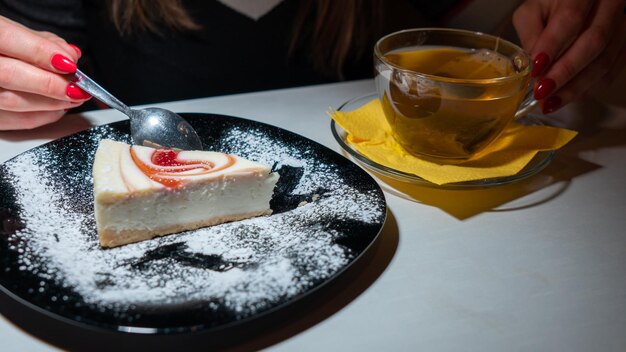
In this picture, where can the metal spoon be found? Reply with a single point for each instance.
(153, 127)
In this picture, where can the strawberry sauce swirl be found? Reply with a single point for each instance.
(165, 167)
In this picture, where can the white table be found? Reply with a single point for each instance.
(535, 266)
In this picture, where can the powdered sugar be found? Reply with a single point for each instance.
(244, 267)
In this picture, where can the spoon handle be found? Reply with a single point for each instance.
(93, 88)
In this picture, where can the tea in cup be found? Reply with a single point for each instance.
(448, 93)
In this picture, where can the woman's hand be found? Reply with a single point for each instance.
(576, 45)
(33, 91)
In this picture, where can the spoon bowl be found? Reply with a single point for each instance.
(156, 127)
(152, 127)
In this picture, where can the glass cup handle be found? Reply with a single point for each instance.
(527, 104)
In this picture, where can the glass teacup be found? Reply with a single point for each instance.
(448, 93)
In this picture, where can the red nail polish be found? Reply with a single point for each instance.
(540, 64)
(74, 92)
(551, 104)
(63, 64)
(77, 49)
(544, 88)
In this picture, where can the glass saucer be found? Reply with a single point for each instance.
(538, 163)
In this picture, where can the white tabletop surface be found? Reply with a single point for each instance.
(539, 265)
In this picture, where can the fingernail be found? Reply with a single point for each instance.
(551, 104)
(74, 92)
(77, 49)
(63, 64)
(540, 64)
(544, 88)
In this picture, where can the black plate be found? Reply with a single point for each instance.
(327, 212)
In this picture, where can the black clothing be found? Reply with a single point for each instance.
(230, 54)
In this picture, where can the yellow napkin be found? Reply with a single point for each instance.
(370, 133)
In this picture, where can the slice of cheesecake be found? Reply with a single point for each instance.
(141, 192)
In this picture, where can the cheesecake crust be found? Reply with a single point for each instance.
(113, 237)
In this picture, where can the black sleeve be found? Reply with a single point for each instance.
(65, 18)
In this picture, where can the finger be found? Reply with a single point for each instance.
(24, 44)
(591, 43)
(8, 23)
(528, 23)
(565, 22)
(27, 120)
(53, 37)
(20, 102)
(20, 76)
(45, 34)
(597, 74)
